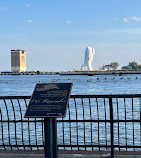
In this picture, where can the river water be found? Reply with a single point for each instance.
(83, 85)
(110, 84)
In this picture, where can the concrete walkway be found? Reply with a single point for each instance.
(65, 156)
(38, 154)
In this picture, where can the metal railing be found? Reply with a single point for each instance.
(92, 122)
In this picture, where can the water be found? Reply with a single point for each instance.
(108, 84)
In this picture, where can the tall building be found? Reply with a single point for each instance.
(18, 60)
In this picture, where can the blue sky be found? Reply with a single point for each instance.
(55, 33)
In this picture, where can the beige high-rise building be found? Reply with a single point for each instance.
(18, 60)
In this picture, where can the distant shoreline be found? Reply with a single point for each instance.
(93, 73)
(88, 73)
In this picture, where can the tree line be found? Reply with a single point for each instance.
(132, 66)
(114, 65)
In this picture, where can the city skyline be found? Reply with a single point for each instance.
(56, 33)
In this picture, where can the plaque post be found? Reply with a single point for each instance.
(55, 144)
(50, 130)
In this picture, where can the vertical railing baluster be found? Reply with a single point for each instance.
(133, 122)
(14, 122)
(84, 122)
(118, 123)
(43, 141)
(2, 129)
(105, 123)
(21, 122)
(76, 122)
(98, 122)
(63, 132)
(8, 122)
(91, 122)
(69, 123)
(29, 132)
(28, 126)
(140, 119)
(125, 124)
(112, 127)
(36, 133)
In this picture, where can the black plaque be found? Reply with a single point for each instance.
(49, 100)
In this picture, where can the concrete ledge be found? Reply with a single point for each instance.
(68, 154)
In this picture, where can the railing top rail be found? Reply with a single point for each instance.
(108, 96)
(15, 97)
(83, 96)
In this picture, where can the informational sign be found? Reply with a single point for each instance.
(49, 100)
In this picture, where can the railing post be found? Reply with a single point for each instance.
(111, 127)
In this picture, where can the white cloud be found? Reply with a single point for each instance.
(125, 19)
(3, 8)
(29, 21)
(68, 22)
(28, 5)
(133, 18)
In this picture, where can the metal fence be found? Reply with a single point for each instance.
(92, 122)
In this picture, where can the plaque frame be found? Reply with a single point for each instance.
(48, 116)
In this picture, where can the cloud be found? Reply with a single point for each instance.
(133, 18)
(68, 22)
(125, 19)
(28, 5)
(3, 8)
(29, 21)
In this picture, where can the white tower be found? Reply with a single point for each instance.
(89, 54)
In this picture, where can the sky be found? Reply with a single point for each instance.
(55, 33)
